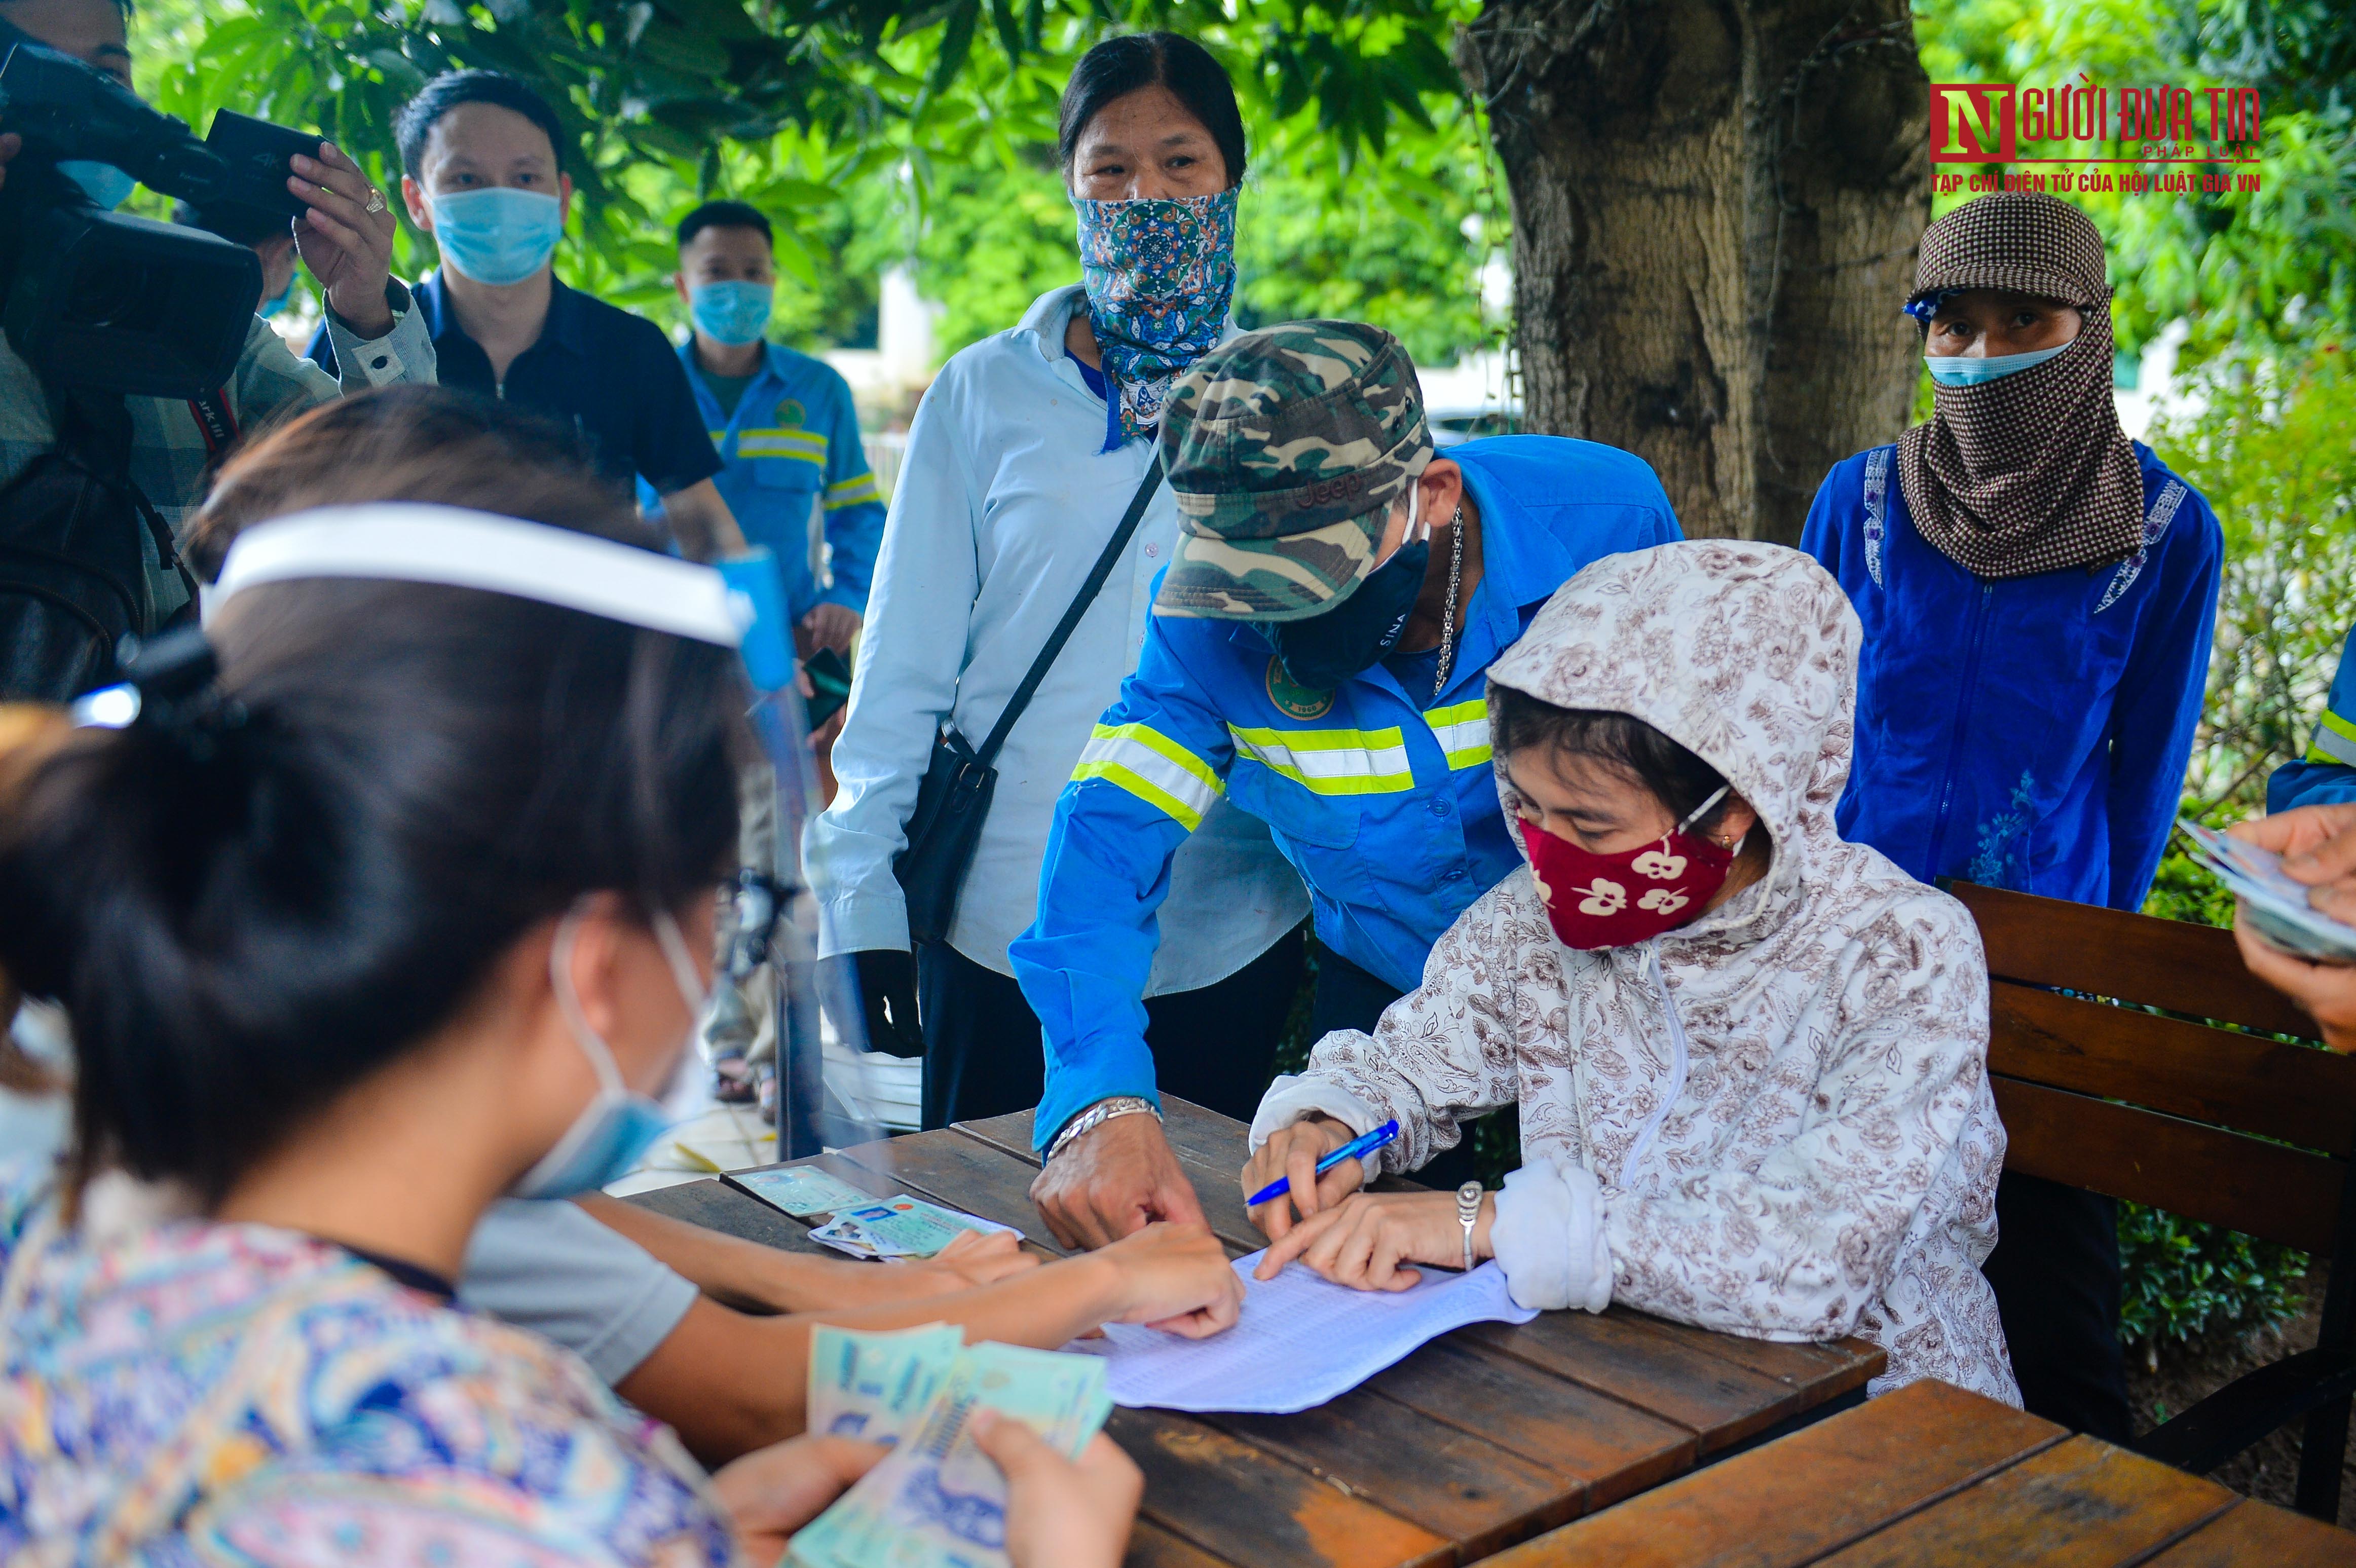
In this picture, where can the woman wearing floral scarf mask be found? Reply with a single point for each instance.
(1024, 456)
(2037, 593)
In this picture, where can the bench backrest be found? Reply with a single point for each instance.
(2234, 1129)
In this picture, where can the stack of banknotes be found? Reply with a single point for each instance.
(2276, 905)
(935, 1500)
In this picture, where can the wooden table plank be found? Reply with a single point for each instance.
(1150, 1546)
(1449, 1481)
(2253, 1532)
(1611, 1449)
(716, 1205)
(1230, 1499)
(1814, 1374)
(1616, 1354)
(2081, 1502)
(1819, 1489)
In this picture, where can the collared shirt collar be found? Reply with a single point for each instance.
(564, 323)
(774, 366)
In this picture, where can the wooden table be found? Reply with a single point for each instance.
(1483, 1438)
(1932, 1475)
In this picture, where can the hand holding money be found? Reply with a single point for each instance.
(938, 1498)
(1062, 1513)
(772, 1492)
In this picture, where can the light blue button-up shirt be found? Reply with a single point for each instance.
(1003, 503)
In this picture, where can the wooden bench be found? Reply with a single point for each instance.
(2142, 1096)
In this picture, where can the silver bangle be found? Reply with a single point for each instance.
(1096, 1115)
(1468, 1214)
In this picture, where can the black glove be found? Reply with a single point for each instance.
(887, 988)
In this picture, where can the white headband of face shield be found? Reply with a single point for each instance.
(415, 542)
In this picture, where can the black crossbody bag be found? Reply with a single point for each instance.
(958, 781)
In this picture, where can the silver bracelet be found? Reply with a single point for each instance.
(1468, 1214)
(1096, 1115)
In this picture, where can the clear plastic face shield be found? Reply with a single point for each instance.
(827, 1086)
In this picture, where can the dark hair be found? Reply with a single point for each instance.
(1676, 777)
(249, 909)
(723, 215)
(1119, 67)
(417, 443)
(447, 91)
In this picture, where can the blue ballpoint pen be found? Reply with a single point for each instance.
(1364, 1143)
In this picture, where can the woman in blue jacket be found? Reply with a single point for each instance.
(2038, 594)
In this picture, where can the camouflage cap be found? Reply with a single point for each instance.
(1286, 449)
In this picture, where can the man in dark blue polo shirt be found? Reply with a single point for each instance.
(483, 175)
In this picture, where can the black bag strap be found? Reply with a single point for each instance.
(1071, 622)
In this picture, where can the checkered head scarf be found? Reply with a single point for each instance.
(2029, 473)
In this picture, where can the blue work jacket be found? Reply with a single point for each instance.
(2326, 774)
(2028, 733)
(789, 451)
(1383, 799)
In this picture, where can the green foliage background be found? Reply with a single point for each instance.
(876, 135)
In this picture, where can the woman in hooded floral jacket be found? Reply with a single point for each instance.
(1751, 1058)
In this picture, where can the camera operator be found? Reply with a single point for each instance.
(345, 238)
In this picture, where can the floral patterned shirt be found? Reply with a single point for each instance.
(1773, 1122)
(179, 1392)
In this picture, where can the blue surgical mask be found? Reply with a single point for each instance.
(618, 1124)
(731, 313)
(497, 236)
(1955, 371)
(276, 302)
(105, 184)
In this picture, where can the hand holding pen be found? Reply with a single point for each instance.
(1303, 1167)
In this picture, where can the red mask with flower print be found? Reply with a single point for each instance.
(1618, 900)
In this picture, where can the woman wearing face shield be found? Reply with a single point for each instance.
(1315, 659)
(1022, 460)
(400, 911)
(2038, 592)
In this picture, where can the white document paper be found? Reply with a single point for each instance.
(1301, 1341)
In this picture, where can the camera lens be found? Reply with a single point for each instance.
(118, 293)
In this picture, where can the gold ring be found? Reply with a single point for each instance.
(376, 199)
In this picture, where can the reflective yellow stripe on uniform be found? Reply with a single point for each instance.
(1462, 731)
(857, 491)
(1154, 769)
(1332, 761)
(805, 444)
(2335, 741)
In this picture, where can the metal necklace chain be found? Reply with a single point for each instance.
(1448, 617)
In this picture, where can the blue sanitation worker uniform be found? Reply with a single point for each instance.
(2028, 733)
(791, 451)
(1381, 795)
(2325, 776)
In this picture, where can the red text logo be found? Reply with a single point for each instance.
(1972, 122)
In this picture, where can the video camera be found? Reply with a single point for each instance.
(111, 301)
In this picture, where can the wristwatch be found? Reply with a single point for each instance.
(1468, 1214)
(1096, 1115)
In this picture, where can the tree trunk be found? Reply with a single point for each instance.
(1716, 205)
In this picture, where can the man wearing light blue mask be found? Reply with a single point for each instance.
(482, 173)
(796, 472)
(2037, 593)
